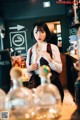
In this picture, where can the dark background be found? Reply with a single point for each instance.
(26, 13)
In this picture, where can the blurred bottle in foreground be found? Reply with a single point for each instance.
(2, 100)
(19, 99)
(47, 97)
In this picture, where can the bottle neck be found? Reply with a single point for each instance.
(17, 84)
(44, 80)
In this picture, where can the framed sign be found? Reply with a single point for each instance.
(18, 40)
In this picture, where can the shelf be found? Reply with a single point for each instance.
(71, 16)
(75, 25)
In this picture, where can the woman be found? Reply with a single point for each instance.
(43, 53)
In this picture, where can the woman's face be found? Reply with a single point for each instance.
(39, 34)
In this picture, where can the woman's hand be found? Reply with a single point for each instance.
(32, 67)
(46, 56)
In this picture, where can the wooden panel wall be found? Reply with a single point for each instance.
(63, 74)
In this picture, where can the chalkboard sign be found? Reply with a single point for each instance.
(5, 66)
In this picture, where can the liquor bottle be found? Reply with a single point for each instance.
(47, 98)
(19, 99)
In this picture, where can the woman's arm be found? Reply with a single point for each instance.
(33, 66)
(56, 63)
(27, 59)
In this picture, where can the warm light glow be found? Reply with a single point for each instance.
(54, 27)
(59, 28)
(55, 31)
(33, 1)
(50, 26)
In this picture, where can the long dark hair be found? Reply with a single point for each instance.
(42, 25)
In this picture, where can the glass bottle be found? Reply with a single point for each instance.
(19, 99)
(47, 97)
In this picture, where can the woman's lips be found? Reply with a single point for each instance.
(39, 38)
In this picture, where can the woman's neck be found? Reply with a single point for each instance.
(43, 80)
(17, 83)
(39, 44)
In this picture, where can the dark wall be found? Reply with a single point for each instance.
(18, 9)
(26, 13)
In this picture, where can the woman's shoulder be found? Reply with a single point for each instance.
(53, 46)
(29, 49)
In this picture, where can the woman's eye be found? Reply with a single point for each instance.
(36, 31)
(42, 31)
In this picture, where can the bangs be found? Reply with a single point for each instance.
(40, 28)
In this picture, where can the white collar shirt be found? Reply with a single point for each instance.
(56, 63)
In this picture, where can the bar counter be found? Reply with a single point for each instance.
(67, 112)
(68, 108)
